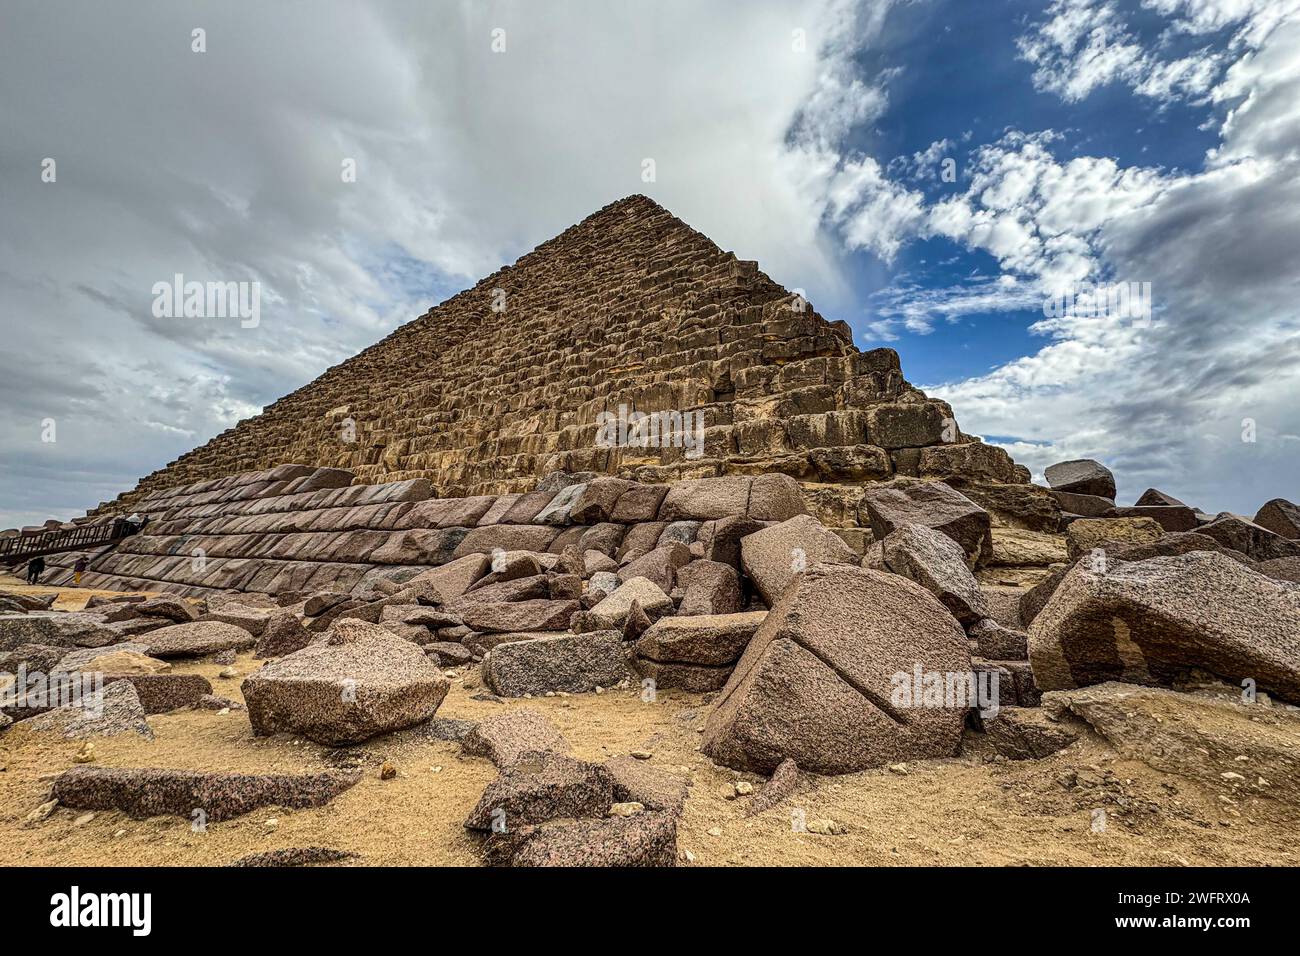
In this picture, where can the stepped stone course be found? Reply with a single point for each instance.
(631, 309)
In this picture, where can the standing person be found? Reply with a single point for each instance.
(78, 570)
(35, 568)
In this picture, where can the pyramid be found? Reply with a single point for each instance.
(630, 311)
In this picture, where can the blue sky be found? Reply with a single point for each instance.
(1095, 141)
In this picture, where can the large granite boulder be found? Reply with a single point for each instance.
(826, 679)
(890, 505)
(575, 663)
(1082, 476)
(709, 587)
(1256, 542)
(55, 628)
(938, 564)
(543, 788)
(779, 553)
(360, 682)
(1153, 622)
(1281, 517)
(197, 639)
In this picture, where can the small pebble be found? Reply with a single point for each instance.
(715, 831)
(630, 809)
(744, 788)
(641, 755)
(824, 827)
(388, 771)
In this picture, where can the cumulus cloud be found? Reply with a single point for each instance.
(227, 166)
(1176, 402)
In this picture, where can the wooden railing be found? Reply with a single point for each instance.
(26, 546)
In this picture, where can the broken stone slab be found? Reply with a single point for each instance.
(1151, 622)
(775, 497)
(775, 556)
(507, 566)
(1085, 506)
(780, 787)
(282, 634)
(1169, 517)
(822, 680)
(1082, 476)
(1086, 534)
(653, 787)
(536, 587)
(33, 602)
(125, 658)
(1197, 735)
(1256, 542)
(1154, 497)
(888, 506)
(172, 609)
(453, 579)
(163, 693)
(558, 511)
(56, 628)
(448, 654)
(197, 639)
(611, 612)
(1281, 569)
(1004, 605)
(659, 566)
(648, 839)
(1021, 507)
(360, 682)
(706, 499)
(1015, 547)
(692, 678)
(997, 643)
(148, 791)
(1029, 733)
(709, 587)
(511, 736)
(251, 619)
(115, 710)
(574, 663)
(37, 657)
(703, 639)
(531, 615)
(937, 563)
(542, 788)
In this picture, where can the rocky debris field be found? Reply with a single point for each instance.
(972, 675)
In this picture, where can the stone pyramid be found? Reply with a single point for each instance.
(631, 308)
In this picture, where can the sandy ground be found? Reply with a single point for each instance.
(964, 811)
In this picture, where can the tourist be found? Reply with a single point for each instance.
(35, 568)
(78, 570)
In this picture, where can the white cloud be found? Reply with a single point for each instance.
(1166, 404)
(226, 165)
